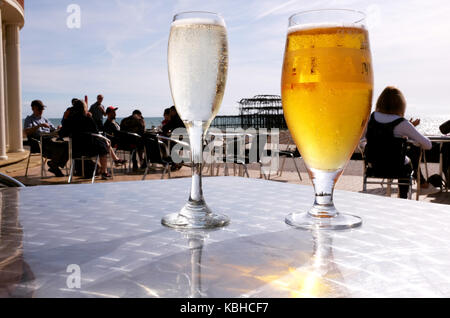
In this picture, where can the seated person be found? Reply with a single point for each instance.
(174, 122)
(110, 126)
(36, 125)
(67, 112)
(445, 129)
(135, 124)
(387, 123)
(166, 117)
(119, 139)
(79, 125)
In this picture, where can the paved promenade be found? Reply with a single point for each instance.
(351, 180)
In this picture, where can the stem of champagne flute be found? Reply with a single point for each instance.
(196, 132)
(195, 243)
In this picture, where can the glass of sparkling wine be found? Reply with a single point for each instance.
(198, 63)
(326, 93)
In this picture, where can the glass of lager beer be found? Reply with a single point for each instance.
(326, 93)
(198, 63)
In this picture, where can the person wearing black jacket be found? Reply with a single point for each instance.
(80, 127)
(445, 129)
(174, 122)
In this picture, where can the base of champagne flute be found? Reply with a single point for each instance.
(195, 217)
(307, 221)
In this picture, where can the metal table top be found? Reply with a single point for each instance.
(106, 240)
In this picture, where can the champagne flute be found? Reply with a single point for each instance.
(326, 93)
(198, 63)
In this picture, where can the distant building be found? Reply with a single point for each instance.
(12, 20)
(260, 111)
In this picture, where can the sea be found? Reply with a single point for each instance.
(429, 125)
(149, 122)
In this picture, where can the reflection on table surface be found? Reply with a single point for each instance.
(112, 232)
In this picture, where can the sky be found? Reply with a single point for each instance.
(119, 48)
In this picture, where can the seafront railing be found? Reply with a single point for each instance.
(256, 121)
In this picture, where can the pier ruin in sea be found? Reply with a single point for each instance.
(260, 111)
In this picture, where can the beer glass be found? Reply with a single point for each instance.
(198, 63)
(326, 93)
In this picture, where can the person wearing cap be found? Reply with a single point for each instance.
(135, 124)
(98, 111)
(35, 126)
(111, 127)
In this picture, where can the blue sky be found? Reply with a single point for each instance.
(121, 47)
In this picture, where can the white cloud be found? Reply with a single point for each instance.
(122, 46)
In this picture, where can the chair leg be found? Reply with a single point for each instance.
(71, 171)
(82, 167)
(389, 186)
(418, 173)
(410, 188)
(42, 165)
(133, 154)
(246, 170)
(145, 172)
(28, 163)
(296, 167)
(280, 171)
(166, 169)
(95, 169)
(111, 162)
(270, 171)
(261, 173)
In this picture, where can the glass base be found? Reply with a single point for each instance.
(195, 217)
(307, 221)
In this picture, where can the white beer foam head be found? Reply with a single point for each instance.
(189, 21)
(310, 26)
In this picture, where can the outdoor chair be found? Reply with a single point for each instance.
(127, 143)
(292, 152)
(77, 153)
(223, 149)
(35, 149)
(254, 154)
(157, 151)
(385, 165)
(445, 153)
(9, 182)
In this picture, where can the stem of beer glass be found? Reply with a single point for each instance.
(324, 183)
(196, 133)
